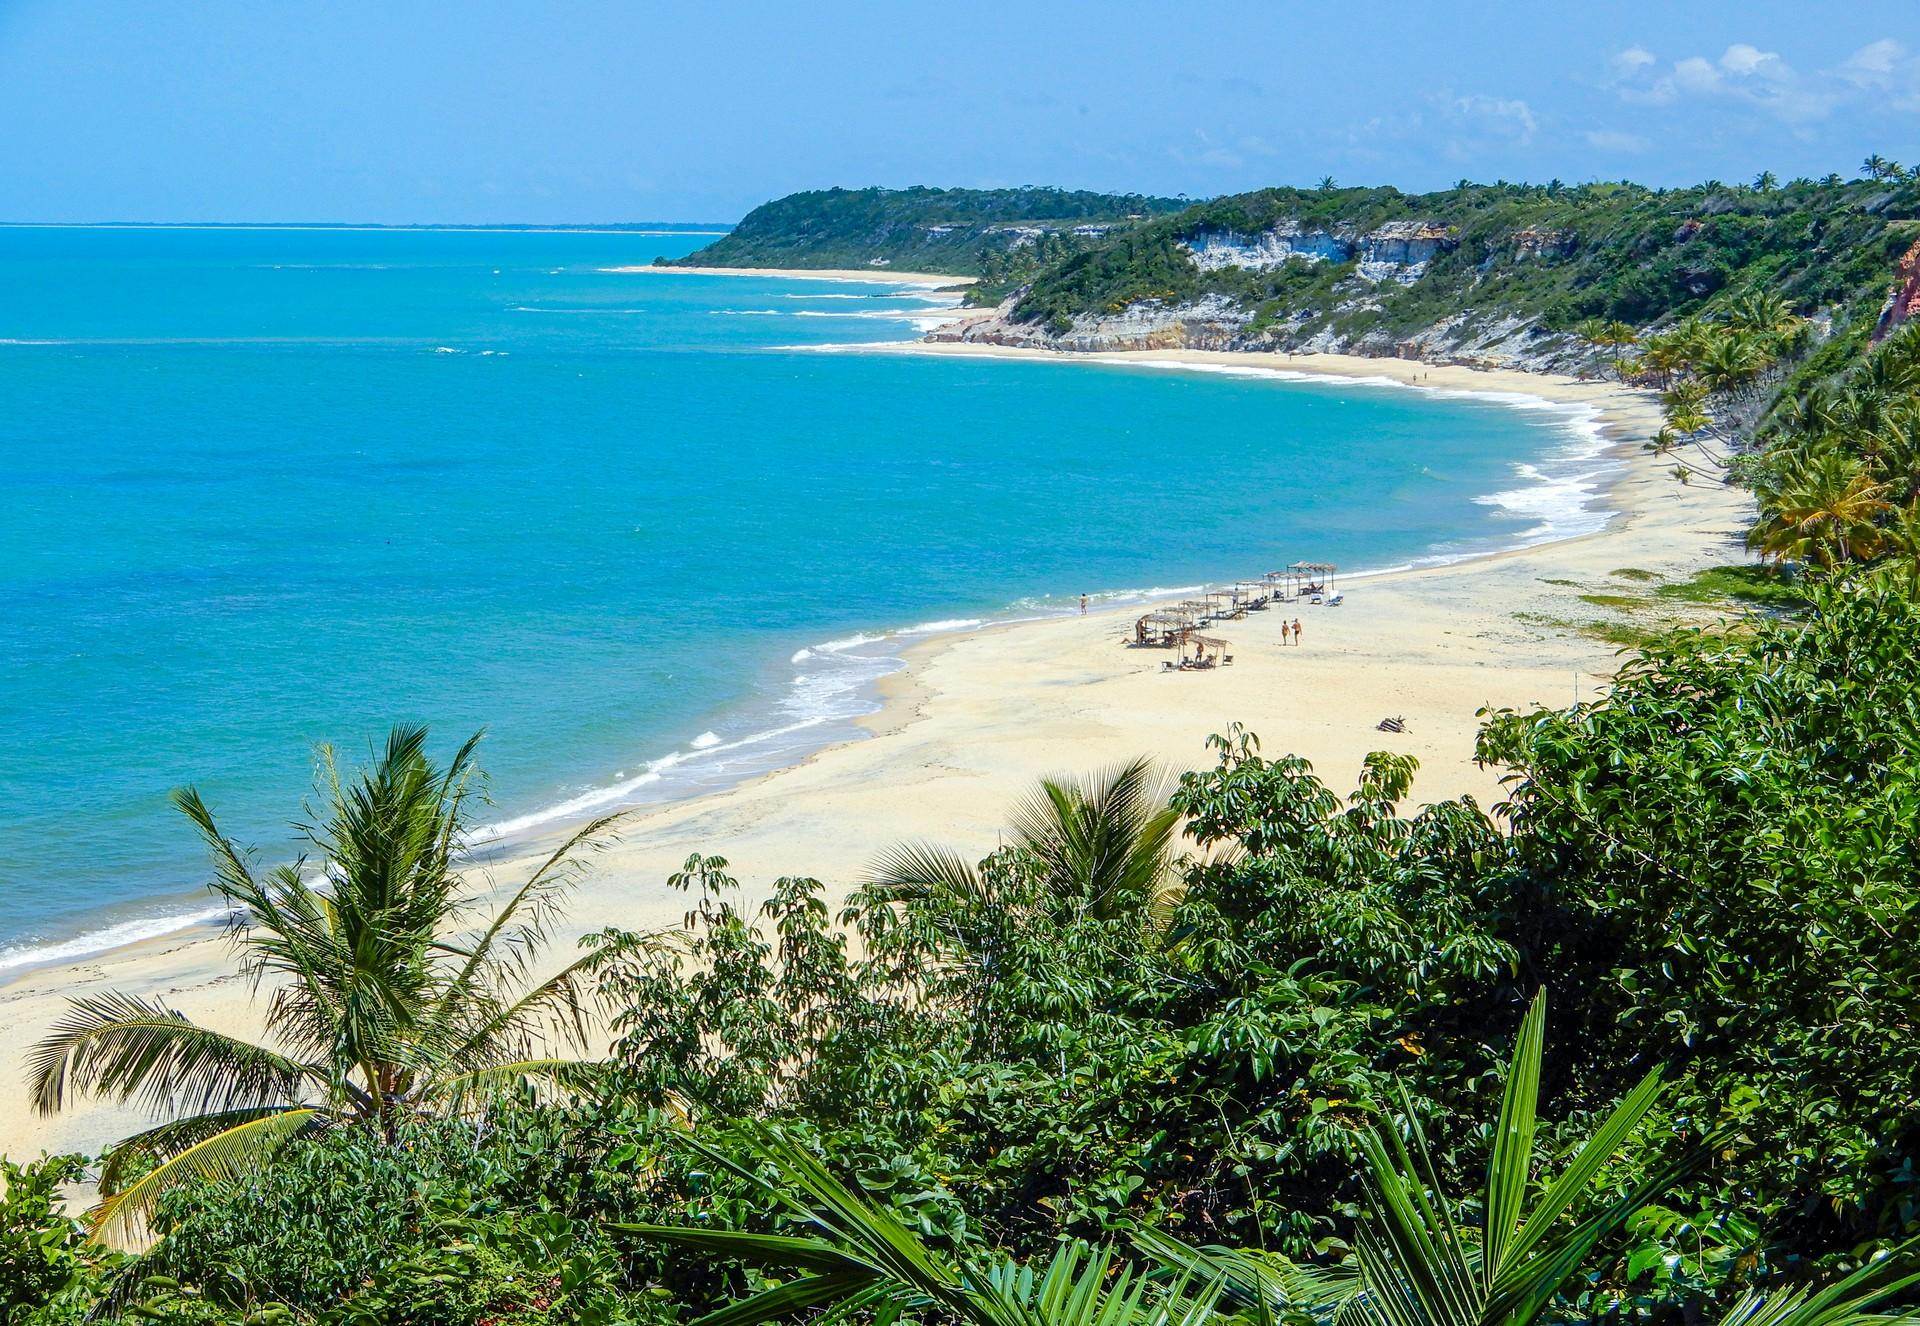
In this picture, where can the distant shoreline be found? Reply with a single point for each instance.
(657, 229)
(877, 275)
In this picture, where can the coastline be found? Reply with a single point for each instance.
(973, 718)
(873, 275)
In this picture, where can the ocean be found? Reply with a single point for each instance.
(266, 488)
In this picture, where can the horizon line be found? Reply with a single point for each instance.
(597, 227)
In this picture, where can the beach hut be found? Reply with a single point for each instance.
(1255, 595)
(1223, 604)
(1162, 628)
(1203, 651)
(1313, 577)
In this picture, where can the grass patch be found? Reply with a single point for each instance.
(1757, 586)
(1549, 580)
(1633, 573)
(1621, 634)
(1621, 602)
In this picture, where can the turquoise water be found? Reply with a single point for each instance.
(263, 489)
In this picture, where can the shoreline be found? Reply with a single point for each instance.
(885, 651)
(980, 697)
(871, 275)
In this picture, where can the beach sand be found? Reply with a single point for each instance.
(877, 275)
(975, 718)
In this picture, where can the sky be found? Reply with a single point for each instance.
(515, 111)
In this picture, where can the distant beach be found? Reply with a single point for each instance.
(876, 275)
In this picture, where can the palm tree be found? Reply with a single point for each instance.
(1874, 167)
(1763, 311)
(1104, 845)
(1732, 360)
(380, 1009)
(856, 1253)
(1823, 510)
(1766, 181)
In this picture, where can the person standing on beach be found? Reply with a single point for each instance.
(1296, 630)
(1083, 605)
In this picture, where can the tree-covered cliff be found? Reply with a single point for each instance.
(992, 233)
(1500, 271)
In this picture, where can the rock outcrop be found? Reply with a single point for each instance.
(1904, 302)
(1397, 251)
(1218, 323)
(1351, 314)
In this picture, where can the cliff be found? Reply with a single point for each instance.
(1481, 274)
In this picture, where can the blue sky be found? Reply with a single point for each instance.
(511, 110)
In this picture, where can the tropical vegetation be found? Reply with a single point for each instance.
(1238, 1045)
(1632, 1047)
(385, 1003)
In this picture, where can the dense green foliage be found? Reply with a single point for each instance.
(46, 1261)
(1002, 235)
(1087, 1034)
(1548, 254)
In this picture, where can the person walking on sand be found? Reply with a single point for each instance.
(1083, 605)
(1296, 630)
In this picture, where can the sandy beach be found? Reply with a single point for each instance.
(876, 275)
(975, 718)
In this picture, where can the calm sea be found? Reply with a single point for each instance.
(261, 489)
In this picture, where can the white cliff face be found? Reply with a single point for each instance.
(1269, 249)
(1397, 251)
(1337, 319)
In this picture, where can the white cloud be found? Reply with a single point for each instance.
(1876, 64)
(1744, 74)
(1613, 140)
(1632, 59)
(1508, 117)
(1750, 62)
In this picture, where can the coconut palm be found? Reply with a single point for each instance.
(1763, 311)
(1900, 549)
(383, 1002)
(1823, 510)
(1874, 167)
(1731, 361)
(1104, 845)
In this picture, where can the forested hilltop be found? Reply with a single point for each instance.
(1001, 234)
(1493, 272)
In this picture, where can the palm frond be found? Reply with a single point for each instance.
(120, 1220)
(917, 870)
(1417, 1266)
(459, 1091)
(1266, 1282)
(1847, 1302)
(120, 1046)
(157, 1145)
